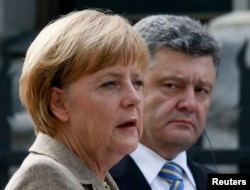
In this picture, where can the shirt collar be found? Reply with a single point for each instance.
(181, 159)
(151, 163)
(148, 161)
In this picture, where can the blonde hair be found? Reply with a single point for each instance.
(78, 43)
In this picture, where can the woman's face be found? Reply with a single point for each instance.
(104, 110)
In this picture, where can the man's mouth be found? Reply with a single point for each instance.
(184, 121)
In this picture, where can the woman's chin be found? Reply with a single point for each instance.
(127, 148)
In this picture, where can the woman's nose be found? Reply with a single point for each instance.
(131, 96)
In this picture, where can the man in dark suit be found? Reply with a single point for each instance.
(177, 93)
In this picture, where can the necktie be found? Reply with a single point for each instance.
(173, 174)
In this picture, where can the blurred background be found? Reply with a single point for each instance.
(228, 129)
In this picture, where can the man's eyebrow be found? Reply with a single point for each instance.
(173, 77)
(184, 79)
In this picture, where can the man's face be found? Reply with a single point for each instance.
(177, 95)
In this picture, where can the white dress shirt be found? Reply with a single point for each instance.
(151, 163)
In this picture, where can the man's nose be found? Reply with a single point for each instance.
(188, 101)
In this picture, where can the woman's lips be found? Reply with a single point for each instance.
(128, 124)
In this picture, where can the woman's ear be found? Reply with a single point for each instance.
(57, 104)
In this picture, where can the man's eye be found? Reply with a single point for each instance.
(170, 85)
(202, 91)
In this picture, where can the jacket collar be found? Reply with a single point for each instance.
(50, 147)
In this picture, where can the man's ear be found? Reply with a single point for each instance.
(57, 104)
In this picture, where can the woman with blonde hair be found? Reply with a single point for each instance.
(81, 83)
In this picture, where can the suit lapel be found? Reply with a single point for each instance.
(200, 174)
(128, 176)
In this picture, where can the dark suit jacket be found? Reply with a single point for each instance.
(129, 177)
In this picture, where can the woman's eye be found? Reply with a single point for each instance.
(138, 83)
(109, 84)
